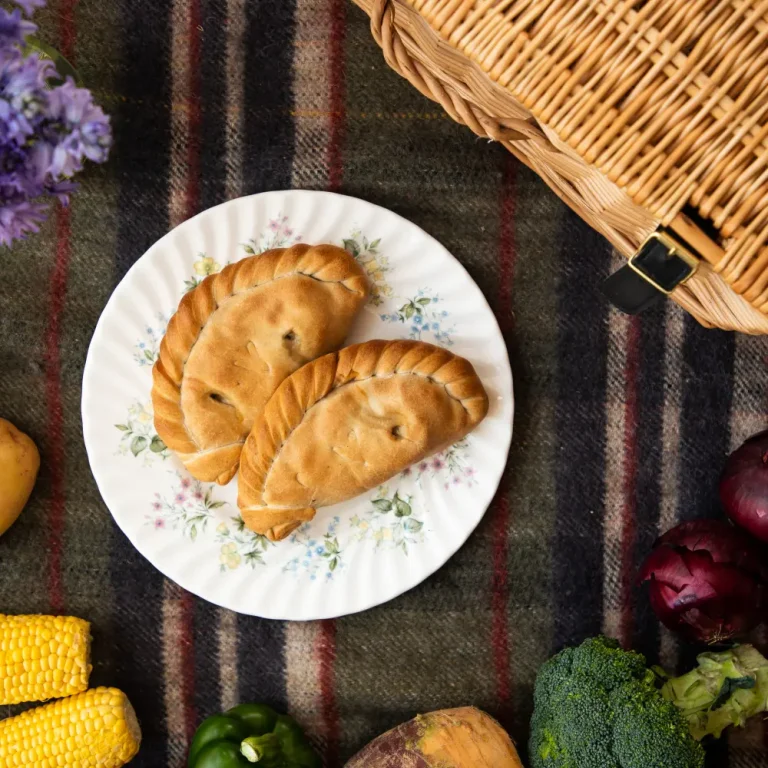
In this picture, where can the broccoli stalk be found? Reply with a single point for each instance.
(724, 689)
(599, 706)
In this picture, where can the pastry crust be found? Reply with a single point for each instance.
(348, 422)
(236, 336)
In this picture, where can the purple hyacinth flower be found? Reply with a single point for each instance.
(14, 126)
(69, 103)
(66, 159)
(88, 126)
(28, 6)
(19, 218)
(46, 132)
(97, 136)
(25, 84)
(14, 28)
(62, 190)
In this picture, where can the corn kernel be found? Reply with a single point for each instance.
(43, 657)
(49, 737)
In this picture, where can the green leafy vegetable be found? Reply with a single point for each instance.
(598, 706)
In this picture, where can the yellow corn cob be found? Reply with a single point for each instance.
(95, 729)
(43, 657)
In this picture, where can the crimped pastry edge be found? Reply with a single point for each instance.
(194, 312)
(313, 382)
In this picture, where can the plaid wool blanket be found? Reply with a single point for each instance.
(622, 425)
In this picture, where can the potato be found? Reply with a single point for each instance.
(450, 738)
(19, 462)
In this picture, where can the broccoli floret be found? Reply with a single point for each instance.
(650, 732)
(598, 706)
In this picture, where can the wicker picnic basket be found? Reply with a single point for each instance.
(645, 116)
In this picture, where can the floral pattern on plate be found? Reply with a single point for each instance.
(279, 234)
(239, 546)
(453, 462)
(423, 318)
(368, 255)
(389, 522)
(188, 509)
(319, 555)
(191, 510)
(204, 266)
(147, 348)
(138, 437)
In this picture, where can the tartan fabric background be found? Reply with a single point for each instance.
(622, 425)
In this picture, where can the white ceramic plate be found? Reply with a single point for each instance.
(354, 555)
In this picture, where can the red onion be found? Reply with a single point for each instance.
(707, 581)
(744, 486)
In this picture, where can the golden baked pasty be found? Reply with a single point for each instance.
(236, 336)
(348, 422)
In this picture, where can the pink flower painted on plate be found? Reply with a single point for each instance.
(423, 467)
(185, 482)
(159, 522)
(197, 495)
(274, 225)
(157, 506)
(438, 464)
(407, 472)
(180, 498)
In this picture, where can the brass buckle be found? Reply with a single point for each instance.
(674, 248)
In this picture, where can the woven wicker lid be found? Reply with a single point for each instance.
(636, 113)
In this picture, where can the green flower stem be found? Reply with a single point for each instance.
(64, 68)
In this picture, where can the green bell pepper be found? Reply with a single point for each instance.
(248, 734)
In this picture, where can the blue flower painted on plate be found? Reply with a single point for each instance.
(424, 322)
(146, 350)
(325, 558)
